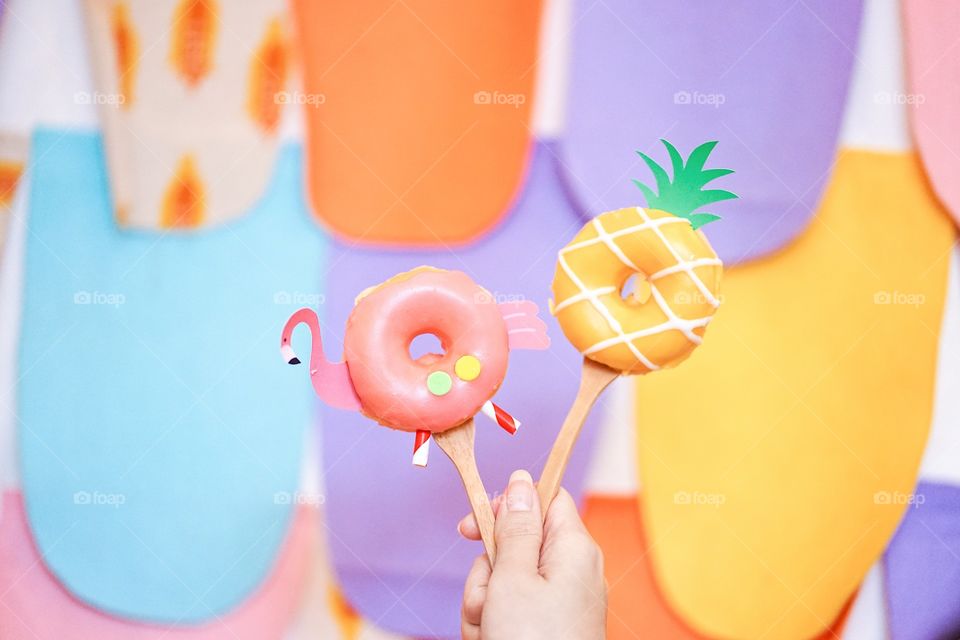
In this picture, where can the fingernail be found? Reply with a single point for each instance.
(520, 492)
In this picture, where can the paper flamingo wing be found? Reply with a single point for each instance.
(338, 388)
(524, 327)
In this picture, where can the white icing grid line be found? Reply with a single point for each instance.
(577, 297)
(642, 333)
(599, 306)
(677, 268)
(684, 265)
(617, 251)
(673, 321)
(607, 238)
(649, 224)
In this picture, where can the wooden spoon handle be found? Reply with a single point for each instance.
(594, 378)
(457, 443)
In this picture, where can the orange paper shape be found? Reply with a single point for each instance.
(777, 461)
(636, 608)
(417, 115)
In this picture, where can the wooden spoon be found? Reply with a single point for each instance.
(457, 443)
(594, 378)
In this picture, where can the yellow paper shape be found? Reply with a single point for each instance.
(778, 460)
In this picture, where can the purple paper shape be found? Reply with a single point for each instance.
(922, 567)
(392, 526)
(768, 80)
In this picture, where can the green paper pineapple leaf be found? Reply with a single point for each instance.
(685, 193)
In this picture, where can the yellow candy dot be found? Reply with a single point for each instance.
(467, 368)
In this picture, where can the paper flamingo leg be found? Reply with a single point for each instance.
(496, 413)
(421, 448)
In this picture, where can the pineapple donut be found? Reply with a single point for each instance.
(662, 322)
(677, 273)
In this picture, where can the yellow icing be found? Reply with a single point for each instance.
(677, 267)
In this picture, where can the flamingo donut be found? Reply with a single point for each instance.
(435, 394)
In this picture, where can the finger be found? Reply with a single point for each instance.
(568, 547)
(468, 525)
(469, 631)
(519, 529)
(475, 594)
(563, 516)
(468, 528)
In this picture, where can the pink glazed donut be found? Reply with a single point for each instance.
(436, 391)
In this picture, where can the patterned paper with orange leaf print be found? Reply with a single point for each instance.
(195, 26)
(191, 94)
(127, 48)
(13, 156)
(268, 73)
(183, 204)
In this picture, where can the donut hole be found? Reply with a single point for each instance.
(426, 347)
(635, 289)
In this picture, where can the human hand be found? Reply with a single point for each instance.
(548, 578)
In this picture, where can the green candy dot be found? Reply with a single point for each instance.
(439, 383)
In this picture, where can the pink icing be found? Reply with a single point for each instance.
(391, 385)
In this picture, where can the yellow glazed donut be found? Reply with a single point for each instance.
(678, 278)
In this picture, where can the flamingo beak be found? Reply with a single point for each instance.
(289, 355)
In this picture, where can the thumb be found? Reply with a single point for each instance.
(519, 528)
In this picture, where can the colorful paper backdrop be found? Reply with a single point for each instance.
(769, 81)
(157, 458)
(430, 148)
(405, 573)
(190, 95)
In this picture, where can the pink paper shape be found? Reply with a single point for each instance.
(933, 101)
(33, 604)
